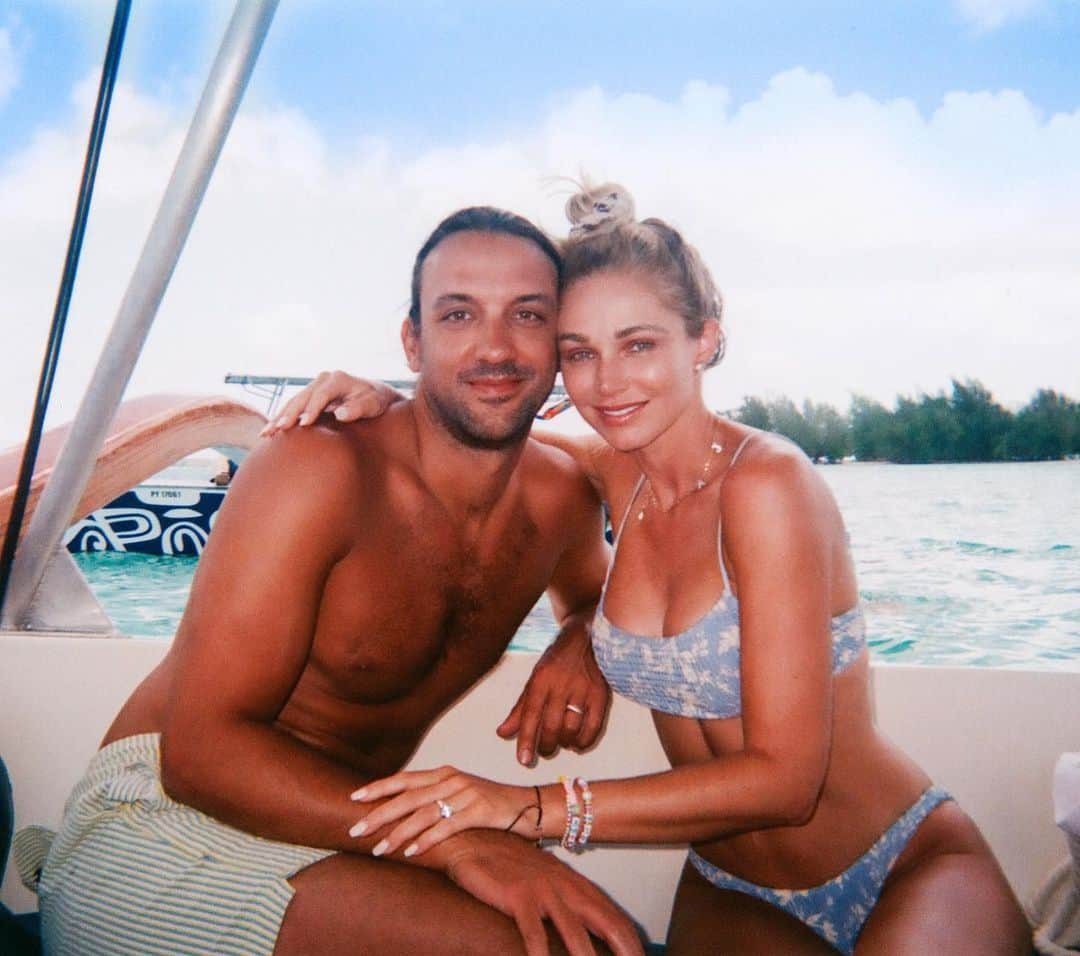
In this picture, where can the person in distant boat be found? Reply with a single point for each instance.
(731, 609)
(225, 475)
(360, 578)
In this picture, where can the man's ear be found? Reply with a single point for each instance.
(410, 341)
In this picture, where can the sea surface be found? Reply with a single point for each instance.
(974, 565)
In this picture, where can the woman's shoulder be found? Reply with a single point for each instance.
(767, 467)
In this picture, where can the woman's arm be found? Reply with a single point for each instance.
(338, 393)
(777, 533)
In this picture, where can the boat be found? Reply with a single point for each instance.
(990, 736)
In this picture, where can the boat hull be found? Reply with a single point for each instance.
(161, 519)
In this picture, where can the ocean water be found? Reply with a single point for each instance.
(974, 565)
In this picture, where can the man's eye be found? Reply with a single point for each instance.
(527, 315)
(639, 345)
(458, 315)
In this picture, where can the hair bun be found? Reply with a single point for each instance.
(599, 209)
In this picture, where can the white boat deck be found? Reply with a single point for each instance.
(989, 736)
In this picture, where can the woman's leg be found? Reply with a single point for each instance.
(706, 919)
(946, 894)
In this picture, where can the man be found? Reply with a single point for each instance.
(360, 578)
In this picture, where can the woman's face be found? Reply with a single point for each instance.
(626, 359)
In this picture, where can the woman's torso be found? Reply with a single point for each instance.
(669, 577)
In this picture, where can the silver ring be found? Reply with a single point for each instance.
(445, 810)
(580, 711)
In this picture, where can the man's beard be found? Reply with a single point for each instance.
(464, 426)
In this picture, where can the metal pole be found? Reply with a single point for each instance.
(191, 175)
(109, 70)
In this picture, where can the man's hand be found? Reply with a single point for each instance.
(338, 393)
(531, 886)
(565, 699)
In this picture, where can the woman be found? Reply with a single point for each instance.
(731, 610)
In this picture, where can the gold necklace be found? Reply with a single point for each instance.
(715, 448)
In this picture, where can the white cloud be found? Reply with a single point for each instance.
(861, 246)
(9, 67)
(987, 15)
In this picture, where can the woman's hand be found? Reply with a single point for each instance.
(346, 397)
(435, 804)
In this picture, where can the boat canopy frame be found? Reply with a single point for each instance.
(40, 549)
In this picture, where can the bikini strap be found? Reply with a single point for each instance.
(720, 532)
(738, 451)
(619, 531)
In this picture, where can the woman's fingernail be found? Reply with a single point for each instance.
(358, 828)
(280, 423)
(339, 413)
(411, 849)
(380, 848)
(359, 794)
(304, 418)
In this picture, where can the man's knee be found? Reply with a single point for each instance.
(348, 903)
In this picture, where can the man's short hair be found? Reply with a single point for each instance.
(479, 219)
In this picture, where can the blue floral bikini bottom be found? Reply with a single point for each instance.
(838, 909)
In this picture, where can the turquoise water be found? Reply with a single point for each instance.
(973, 565)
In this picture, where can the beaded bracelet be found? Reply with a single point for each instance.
(573, 815)
(586, 796)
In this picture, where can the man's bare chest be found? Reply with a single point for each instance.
(423, 619)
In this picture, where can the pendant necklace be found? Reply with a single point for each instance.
(715, 448)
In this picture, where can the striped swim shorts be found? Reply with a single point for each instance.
(133, 871)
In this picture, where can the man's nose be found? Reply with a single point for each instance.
(496, 343)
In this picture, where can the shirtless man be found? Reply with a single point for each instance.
(360, 578)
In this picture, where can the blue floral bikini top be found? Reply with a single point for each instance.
(695, 673)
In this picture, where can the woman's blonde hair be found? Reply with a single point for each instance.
(605, 236)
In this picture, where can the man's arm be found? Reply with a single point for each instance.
(566, 697)
(244, 642)
(243, 645)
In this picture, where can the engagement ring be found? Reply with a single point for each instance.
(445, 810)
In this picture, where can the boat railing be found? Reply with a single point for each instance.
(41, 548)
(147, 435)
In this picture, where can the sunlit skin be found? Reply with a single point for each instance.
(359, 579)
(634, 374)
(800, 784)
(485, 348)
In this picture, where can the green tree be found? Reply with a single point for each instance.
(829, 432)
(924, 430)
(981, 424)
(753, 412)
(1047, 428)
(787, 420)
(871, 430)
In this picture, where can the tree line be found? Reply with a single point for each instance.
(966, 426)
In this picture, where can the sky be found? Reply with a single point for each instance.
(887, 194)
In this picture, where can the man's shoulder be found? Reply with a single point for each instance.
(557, 476)
(546, 460)
(344, 449)
(328, 460)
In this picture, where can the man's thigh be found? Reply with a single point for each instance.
(354, 904)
